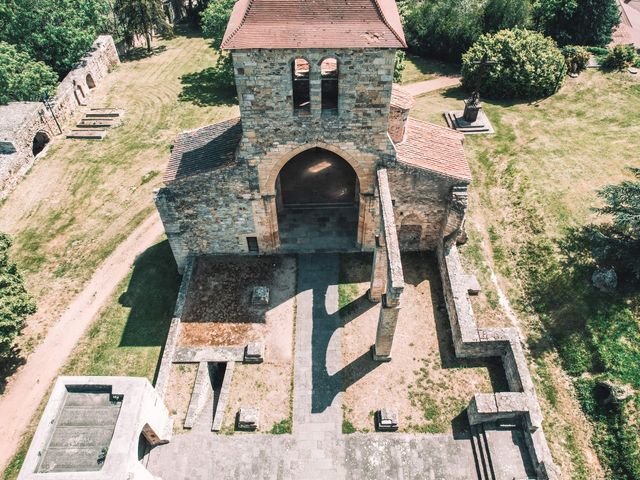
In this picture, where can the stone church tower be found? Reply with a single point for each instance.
(320, 116)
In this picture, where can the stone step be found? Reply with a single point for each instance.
(87, 134)
(104, 112)
(94, 122)
(481, 453)
(221, 405)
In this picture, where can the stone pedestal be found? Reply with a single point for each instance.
(247, 419)
(378, 272)
(260, 296)
(254, 352)
(456, 120)
(386, 329)
(386, 420)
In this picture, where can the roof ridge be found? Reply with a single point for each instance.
(228, 38)
(386, 22)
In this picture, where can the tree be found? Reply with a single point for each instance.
(215, 18)
(399, 66)
(140, 17)
(528, 65)
(577, 22)
(503, 14)
(615, 243)
(23, 78)
(15, 303)
(56, 32)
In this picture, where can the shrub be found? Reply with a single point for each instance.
(399, 66)
(620, 57)
(501, 14)
(576, 58)
(215, 18)
(22, 78)
(528, 65)
(578, 22)
(15, 304)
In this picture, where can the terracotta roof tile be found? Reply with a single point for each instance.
(401, 98)
(314, 24)
(204, 149)
(434, 148)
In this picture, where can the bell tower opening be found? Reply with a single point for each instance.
(317, 199)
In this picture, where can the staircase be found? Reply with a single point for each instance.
(481, 453)
(95, 123)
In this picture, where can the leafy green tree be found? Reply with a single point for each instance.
(399, 66)
(23, 78)
(577, 22)
(140, 17)
(56, 32)
(502, 14)
(528, 65)
(215, 18)
(616, 243)
(15, 303)
(443, 28)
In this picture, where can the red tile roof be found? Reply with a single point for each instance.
(401, 98)
(314, 24)
(204, 149)
(434, 148)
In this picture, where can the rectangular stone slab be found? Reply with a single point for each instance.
(208, 354)
(87, 134)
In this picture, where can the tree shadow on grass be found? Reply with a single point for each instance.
(204, 90)
(151, 297)
(9, 365)
(140, 53)
(432, 66)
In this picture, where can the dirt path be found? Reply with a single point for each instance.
(419, 88)
(29, 385)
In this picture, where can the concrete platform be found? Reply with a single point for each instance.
(456, 121)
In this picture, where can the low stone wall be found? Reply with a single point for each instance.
(20, 122)
(470, 341)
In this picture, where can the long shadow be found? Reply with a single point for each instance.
(9, 365)
(151, 297)
(325, 385)
(140, 53)
(205, 88)
(431, 66)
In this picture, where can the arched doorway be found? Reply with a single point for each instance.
(40, 140)
(90, 82)
(317, 198)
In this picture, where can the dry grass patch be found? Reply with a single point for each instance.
(425, 381)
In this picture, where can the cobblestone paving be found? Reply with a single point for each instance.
(317, 449)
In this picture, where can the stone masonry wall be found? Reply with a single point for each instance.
(209, 213)
(421, 197)
(272, 130)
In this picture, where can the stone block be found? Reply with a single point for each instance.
(247, 419)
(260, 296)
(254, 352)
(386, 419)
(473, 286)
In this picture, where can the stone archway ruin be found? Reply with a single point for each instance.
(40, 140)
(317, 198)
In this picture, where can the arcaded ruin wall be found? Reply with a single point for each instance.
(21, 121)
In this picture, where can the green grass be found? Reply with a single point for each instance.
(535, 179)
(347, 293)
(419, 69)
(281, 427)
(347, 427)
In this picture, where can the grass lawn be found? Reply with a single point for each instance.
(533, 181)
(84, 197)
(418, 69)
(129, 333)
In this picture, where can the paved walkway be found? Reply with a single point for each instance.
(420, 88)
(27, 387)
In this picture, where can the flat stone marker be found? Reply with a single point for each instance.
(473, 286)
(254, 352)
(260, 296)
(104, 112)
(87, 134)
(247, 419)
(386, 420)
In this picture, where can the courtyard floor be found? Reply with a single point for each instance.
(317, 447)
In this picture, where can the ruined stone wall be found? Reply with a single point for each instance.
(272, 130)
(209, 213)
(397, 123)
(421, 198)
(20, 121)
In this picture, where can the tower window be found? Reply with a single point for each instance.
(329, 76)
(252, 244)
(300, 83)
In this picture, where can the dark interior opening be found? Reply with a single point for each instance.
(300, 83)
(329, 75)
(39, 142)
(90, 82)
